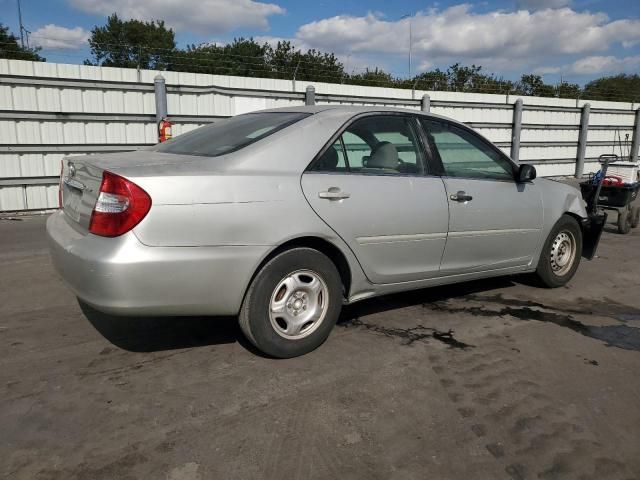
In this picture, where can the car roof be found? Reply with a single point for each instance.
(351, 110)
(344, 108)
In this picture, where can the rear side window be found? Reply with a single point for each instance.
(376, 145)
(229, 135)
(358, 150)
(333, 159)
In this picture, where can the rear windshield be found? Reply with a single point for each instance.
(229, 135)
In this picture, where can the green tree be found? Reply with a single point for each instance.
(568, 90)
(482, 83)
(242, 57)
(246, 57)
(462, 78)
(620, 88)
(132, 44)
(324, 66)
(533, 85)
(284, 59)
(10, 48)
(373, 78)
(435, 80)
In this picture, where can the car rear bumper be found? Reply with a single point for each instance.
(124, 277)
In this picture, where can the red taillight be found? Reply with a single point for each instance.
(121, 205)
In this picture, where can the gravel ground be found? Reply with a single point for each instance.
(485, 380)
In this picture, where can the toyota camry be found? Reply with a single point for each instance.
(281, 217)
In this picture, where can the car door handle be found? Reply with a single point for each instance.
(334, 193)
(461, 197)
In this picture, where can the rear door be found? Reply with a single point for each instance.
(370, 185)
(494, 222)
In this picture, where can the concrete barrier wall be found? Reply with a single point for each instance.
(50, 110)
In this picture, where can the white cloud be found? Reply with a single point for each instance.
(547, 70)
(595, 65)
(203, 16)
(533, 5)
(605, 65)
(424, 65)
(273, 41)
(61, 38)
(499, 39)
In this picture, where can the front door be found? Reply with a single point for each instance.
(494, 222)
(370, 187)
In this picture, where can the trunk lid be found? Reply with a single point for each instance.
(134, 159)
(79, 187)
(82, 176)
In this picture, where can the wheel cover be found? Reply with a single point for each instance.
(298, 304)
(563, 253)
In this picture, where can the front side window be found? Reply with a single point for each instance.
(381, 144)
(465, 155)
(229, 135)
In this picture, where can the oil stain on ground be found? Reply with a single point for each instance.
(409, 335)
(619, 336)
(582, 306)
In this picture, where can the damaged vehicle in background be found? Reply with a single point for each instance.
(282, 216)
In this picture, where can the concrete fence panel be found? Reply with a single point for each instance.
(50, 110)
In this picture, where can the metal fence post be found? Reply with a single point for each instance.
(582, 139)
(516, 129)
(425, 104)
(310, 95)
(160, 89)
(635, 146)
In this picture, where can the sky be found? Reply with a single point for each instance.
(572, 40)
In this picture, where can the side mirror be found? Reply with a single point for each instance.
(526, 173)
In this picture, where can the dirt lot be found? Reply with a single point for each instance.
(487, 380)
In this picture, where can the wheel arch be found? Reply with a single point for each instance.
(577, 218)
(317, 243)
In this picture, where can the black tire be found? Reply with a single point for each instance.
(635, 216)
(547, 271)
(624, 220)
(256, 320)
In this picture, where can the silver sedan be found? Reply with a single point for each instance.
(282, 216)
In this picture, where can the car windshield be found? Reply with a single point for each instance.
(229, 135)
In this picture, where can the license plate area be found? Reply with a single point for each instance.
(71, 201)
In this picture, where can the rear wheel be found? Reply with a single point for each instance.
(561, 253)
(624, 220)
(292, 303)
(635, 216)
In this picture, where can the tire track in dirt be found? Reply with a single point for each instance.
(504, 402)
(523, 428)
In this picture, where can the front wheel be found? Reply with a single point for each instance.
(561, 253)
(292, 304)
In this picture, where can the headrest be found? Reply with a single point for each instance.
(383, 155)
